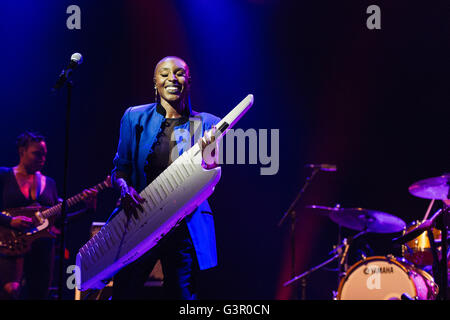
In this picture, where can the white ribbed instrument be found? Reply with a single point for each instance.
(173, 195)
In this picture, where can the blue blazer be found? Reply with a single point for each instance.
(138, 132)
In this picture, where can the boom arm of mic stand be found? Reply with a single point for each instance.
(307, 182)
(291, 212)
(311, 270)
(337, 254)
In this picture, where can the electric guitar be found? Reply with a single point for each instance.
(15, 242)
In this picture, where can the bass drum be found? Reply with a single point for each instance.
(386, 278)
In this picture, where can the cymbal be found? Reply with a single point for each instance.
(362, 219)
(322, 209)
(432, 188)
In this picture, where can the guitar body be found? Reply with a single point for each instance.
(14, 242)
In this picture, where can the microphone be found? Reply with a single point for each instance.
(75, 60)
(323, 167)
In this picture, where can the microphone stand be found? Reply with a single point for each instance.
(62, 248)
(291, 212)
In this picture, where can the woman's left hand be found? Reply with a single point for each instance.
(210, 149)
(90, 198)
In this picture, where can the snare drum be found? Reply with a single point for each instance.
(386, 278)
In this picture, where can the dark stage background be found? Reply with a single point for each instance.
(373, 102)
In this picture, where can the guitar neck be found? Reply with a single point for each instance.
(50, 212)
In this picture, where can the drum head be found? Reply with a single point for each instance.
(376, 278)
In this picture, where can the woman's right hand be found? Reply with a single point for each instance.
(130, 199)
(21, 223)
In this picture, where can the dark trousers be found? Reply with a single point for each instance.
(33, 271)
(179, 265)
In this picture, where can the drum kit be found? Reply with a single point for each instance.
(389, 277)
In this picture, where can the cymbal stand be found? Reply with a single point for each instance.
(442, 225)
(440, 265)
(435, 253)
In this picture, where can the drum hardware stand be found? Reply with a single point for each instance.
(342, 268)
(340, 251)
(290, 212)
(434, 251)
(343, 261)
(440, 267)
(443, 268)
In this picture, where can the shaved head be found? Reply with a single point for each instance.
(175, 59)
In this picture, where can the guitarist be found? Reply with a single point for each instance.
(22, 186)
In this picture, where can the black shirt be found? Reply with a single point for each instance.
(160, 156)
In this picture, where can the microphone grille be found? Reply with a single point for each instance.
(77, 57)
